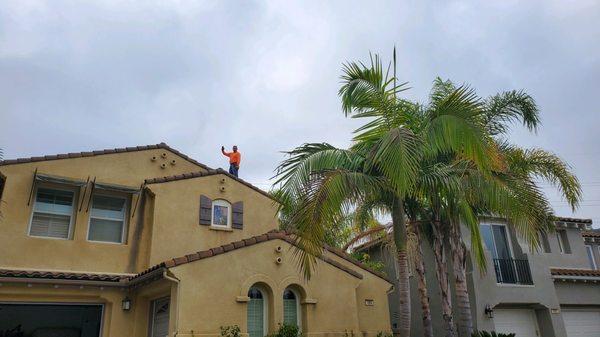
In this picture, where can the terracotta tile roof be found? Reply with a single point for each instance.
(574, 272)
(578, 220)
(273, 235)
(127, 280)
(139, 148)
(591, 234)
(54, 275)
(209, 172)
(99, 153)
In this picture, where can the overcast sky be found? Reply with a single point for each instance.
(264, 75)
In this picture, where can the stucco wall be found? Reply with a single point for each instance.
(339, 307)
(166, 225)
(114, 321)
(19, 250)
(577, 258)
(543, 296)
(578, 293)
(176, 229)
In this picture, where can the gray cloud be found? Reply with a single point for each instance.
(264, 75)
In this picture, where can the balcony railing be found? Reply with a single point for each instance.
(513, 271)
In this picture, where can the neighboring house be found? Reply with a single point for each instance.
(146, 241)
(552, 293)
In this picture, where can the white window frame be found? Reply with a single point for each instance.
(298, 307)
(590, 250)
(265, 309)
(222, 203)
(125, 218)
(152, 314)
(71, 216)
(508, 239)
(543, 237)
(559, 238)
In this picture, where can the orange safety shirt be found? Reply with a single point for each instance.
(234, 157)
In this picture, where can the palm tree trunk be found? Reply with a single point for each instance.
(459, 260)
(441, 271)
(400, 236)
(422, 282)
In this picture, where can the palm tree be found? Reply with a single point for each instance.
(414, 210)
(327, 181)
(474, 173)
(505, 188)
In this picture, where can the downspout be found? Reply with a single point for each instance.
(176, 281)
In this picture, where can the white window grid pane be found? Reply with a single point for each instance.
(290, 312)
(54, 201)
(52, 212)
(107, 219)
(106, 207)
(50, 225)
(105, 230)
(256, 317)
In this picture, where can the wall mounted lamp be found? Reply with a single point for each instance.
(126, 304)
(489, 312)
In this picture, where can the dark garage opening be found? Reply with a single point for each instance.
(50, 320)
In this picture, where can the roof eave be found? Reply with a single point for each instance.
(585, 279)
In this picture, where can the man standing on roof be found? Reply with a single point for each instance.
(234, 159)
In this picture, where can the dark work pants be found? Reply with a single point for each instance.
(233, 169)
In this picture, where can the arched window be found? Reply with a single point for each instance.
(291, 308)
(257, 312)
(221, 213)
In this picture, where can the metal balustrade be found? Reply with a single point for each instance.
(513, 271)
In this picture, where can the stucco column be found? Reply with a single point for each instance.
(277, 309)
(550, 324)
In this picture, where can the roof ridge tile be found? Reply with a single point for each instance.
(161, 145)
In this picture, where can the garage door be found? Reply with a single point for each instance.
(522, 322)
(39, 320)
(582, 323)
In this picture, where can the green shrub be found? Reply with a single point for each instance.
(231, 331)
(287, 330)
(365, 259)
(491, 334)
(384, 334)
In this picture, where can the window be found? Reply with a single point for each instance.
(107, 219)
(563, 242)
(257, 313)
(52, 213)
(590, 253)
(291, 308)
(221, 213)
(496, 240)
(544, 243)
(508, 269)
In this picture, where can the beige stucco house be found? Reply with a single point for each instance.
(145, 241)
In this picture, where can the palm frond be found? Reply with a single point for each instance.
(506, 108)
(396, 155)
(367, 88)
(327, 196)
(538, 163)
(304, 161)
